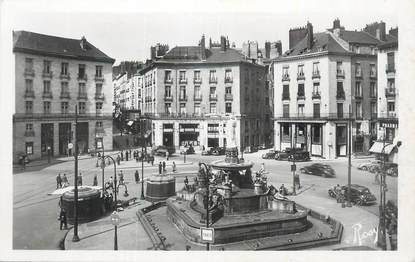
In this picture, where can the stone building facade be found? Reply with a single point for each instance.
(52, 76)
(192, 92)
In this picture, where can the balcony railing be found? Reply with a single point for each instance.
(213, 97)
(99, 96)
(373, 74)
(316, 74)
(82, 95)
(340, 73)
(65, 95)
(373, 95)
(47, 95)
(300, 76)
(358, 96)
(166, 98)
(316, 95)
(320, 116)
(300, 96)
(213, 80)
(29, 72)
(183, 81)
(197, 80)
(83, 77)
(285, 96)
(228, 97)
(183, 115)
(63, 115)
(285, 77)
(63, 76)
(47, 74)
(390, 68)
(29, 94)
(387, 115)
(183, 98)
(197, 98)
(99, 78)
(168, 80)
(29, 133)
(390, 92)
(340, 95)
(228, 79)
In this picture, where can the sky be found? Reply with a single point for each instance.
(125, 30)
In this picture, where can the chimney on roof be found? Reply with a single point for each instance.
(83, 43)
(227, 42)
(377, 30)
(210, 42)
(202, 45)
(394, 31)
(267, 49)
(310, 37)
(336, 23)
(222, 44)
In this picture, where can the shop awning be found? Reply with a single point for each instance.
(377, 147)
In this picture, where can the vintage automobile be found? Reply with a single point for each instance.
(217, 151)
(189, 151)
(318, 169)
(291, 154)
(375, 166)
(162, 150)
(360, 195)
(269, 155)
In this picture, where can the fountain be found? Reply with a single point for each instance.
(240, 207)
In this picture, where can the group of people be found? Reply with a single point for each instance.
(162, 167)
(61, 181)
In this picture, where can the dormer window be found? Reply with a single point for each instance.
(83, 43)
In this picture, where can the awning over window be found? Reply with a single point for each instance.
(377, 147)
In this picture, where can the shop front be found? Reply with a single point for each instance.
(189, 135)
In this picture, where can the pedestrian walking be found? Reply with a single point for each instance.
(65, 180)
(58, 181)
(121, 178)
(80, 179)
(174, 167)
(110, 183)
(186, 183)
(122, 156)
(118, 160)
(164, 166)
(137, 177)
(62, 218)
(126, 155)
(160, 168)
(95, 183)
(152, 160)
(167, 155)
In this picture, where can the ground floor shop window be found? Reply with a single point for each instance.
(316, 134)
(285, 133)
(213, 142)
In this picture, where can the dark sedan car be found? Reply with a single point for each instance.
(318, 169)
(217, 151)
(360, 195)
(162, 150)
(269, 155)
(189, 151)
(292, 154)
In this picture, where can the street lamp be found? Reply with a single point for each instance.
(75, 226)
(207, 199)
(142, 121)
(115, 220)
(115, 176)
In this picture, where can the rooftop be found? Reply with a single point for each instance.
(194, 54)
(34, 43)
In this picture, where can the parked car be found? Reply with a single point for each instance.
(269, 155)
(318, 169)
(376, 166)
(360, 195)
(217, 151)
(250, 149)
(190, 150)
(290, 154)
(207, 152)
(162, 150)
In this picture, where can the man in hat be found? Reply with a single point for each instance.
(62, 218)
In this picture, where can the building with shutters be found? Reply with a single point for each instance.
(52, 76)
(191, 92)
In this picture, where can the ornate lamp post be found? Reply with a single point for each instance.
(207, 199)
(115, 175)
(115, 220)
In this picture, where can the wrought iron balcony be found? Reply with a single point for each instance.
(168, 80)
(317, 116)
(228, 79)
(340, 95)
(167, 98)
(99, 78)
(213, 80)
(390, 68)
(183, 98)
(373, 74)
(285, 96)
(29, 133)
(300, 76)
(82, 95)
(340, 73)
(83, 77)
(358, 96)
(65, 76)
(228, 97)
(390, 92)
(358, 74)
(65, 95)
(197, 80)
(48, 75)
(316, 95)
(285, 77)
(29, 72)
(213, 97)
(183, 81)
(47, 95)
(99, 96)
(197, 98)
(300, 96)
(388, 115)
(29, 94)
(316, 74)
